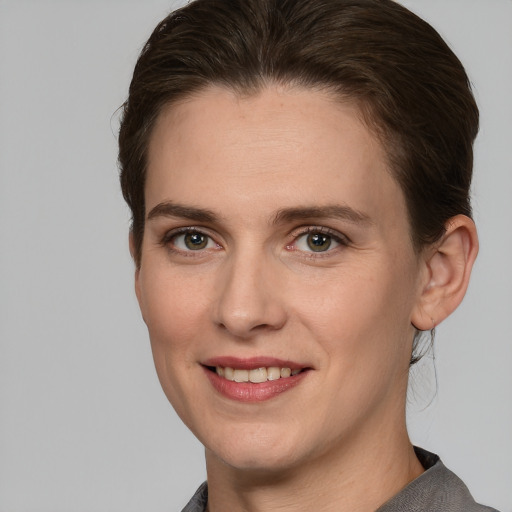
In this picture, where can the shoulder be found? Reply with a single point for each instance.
(436, 489)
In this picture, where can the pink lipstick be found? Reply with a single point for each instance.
(254, 379)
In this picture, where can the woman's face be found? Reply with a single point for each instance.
(277, 238)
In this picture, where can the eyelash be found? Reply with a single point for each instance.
(335, 236)
(168, 240)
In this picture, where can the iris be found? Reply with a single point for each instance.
(318, 242)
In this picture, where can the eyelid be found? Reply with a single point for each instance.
(168, 235)
(324, 230)
(166, 240)
(338, 237)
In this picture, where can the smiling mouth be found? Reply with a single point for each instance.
(256, 375)
(255, 379)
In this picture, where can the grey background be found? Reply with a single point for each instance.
(84, 425)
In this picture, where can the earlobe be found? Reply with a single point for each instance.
(447, 269)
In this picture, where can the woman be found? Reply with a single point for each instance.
(298, 174)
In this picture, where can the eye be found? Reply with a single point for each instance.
(316, 241)
(191, 241)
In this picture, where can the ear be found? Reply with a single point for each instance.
(447, 266)
(131, 243)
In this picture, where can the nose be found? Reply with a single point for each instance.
(250, 298)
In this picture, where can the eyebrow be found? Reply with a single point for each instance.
(170, 209)
(322, 212)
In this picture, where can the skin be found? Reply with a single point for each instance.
(338, 440)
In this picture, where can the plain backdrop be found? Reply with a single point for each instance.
(84, 425)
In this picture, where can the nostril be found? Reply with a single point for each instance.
(244, 327)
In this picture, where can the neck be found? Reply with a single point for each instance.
(358, 476)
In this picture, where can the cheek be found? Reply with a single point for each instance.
(174, 313)
(364, 312)
(174, 310)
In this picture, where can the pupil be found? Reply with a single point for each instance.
(195, 241)
(318, 242)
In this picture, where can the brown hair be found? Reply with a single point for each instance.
(410, 86)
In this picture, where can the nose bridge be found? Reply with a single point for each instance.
(248, 298)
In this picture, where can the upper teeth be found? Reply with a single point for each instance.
(256, 375)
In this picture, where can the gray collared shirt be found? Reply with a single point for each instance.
(436, 490)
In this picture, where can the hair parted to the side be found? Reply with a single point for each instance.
(411, 88)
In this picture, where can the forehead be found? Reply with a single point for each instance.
(287, 146)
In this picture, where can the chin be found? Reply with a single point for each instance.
(256, 462)
(256, 449)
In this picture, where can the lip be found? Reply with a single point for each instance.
(248, 391)
(252, 363)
